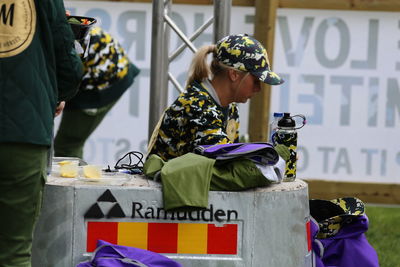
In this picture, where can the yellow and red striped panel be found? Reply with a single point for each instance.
(181, 238)
(308, 233)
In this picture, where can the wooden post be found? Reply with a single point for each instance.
(365, 5)
(368, 192)
(264, 31)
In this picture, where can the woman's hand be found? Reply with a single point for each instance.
(59, 108)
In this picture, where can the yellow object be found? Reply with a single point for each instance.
(192, 238)
(64, 162)
(92, 171)
(133, 234)
(69, 170)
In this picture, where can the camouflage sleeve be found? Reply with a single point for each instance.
(106, 63)
(207, 122)
(234, 116)
(194, 119)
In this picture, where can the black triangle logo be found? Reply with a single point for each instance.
(116, 212)
(107, 196)
(94, 212)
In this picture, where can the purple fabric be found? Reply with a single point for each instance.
(236, 147)
(317, 246)
(348, 248)
(263, 153)
(110, 255)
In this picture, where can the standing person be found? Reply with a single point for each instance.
(108, 74)
(38, 68)
(206, 113)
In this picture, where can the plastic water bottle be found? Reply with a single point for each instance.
(274, 125)
(286, 134)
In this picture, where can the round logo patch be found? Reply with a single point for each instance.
(17, 26)
(231, 130)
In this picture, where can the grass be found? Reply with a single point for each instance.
(384, 233)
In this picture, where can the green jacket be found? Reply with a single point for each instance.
(187, 179)
(38, 68)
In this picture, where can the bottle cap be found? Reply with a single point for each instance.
(278, 114)
(286, 121)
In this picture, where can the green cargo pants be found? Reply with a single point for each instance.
(75, 128)
(22, 178)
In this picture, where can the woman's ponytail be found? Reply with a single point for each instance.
(199, 68)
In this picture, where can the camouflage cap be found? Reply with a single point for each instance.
(331, 215)
(245, 53)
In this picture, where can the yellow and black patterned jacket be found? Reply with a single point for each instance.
(108, 72)
(195, 118)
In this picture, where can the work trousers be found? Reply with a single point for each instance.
(22, 178)
(75, 128)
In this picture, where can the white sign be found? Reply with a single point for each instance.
(340, 69)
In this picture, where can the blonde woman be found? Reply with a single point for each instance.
(206, 113)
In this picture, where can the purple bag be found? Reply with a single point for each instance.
(343, 243)
(110, 255)
(262, 153)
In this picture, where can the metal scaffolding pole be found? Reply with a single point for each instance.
(165, 62)
(193, 37)
(158, 101)
(160, 59)
(222, 18)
